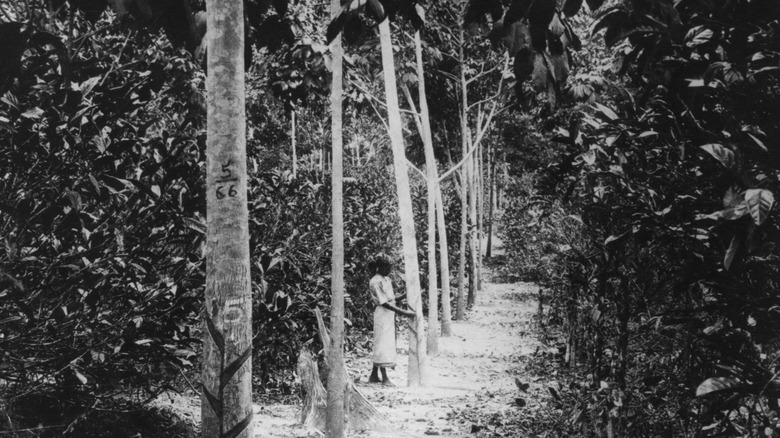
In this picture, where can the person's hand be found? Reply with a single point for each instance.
(410, 314)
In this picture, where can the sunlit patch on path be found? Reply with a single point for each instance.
(474, 375)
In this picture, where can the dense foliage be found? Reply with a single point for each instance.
(656, 229)
(641, 193)
(102, 140)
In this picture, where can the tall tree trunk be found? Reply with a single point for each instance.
(294, 151)
(444, 257)
(472, 235)
(480, 186)
(464, 134)
(418, 359)
(492, 182)
(336, 373)
(226, 404)
(432, 176)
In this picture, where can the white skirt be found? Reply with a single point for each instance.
(384, 337)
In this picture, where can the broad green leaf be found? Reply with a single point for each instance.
(10, 319)
(606, 111)
(697, 36)
(731, 198)
(615, 237)
(556, 26)
(731, 252)
(82, 378)
(719, 384)
(274, 261)
(766, 69)
(33, 113)
(728, 214)
(87, 86)
(541, 73)
(732, 75)
(516, 37)
(758, 142)
(589, 157)
(759, 203)
(721, 153)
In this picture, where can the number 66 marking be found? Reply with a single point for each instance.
(232, 192)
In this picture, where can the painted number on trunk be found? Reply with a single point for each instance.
(224, 186)
(234, 310)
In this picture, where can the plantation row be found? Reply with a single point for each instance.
(627, 146)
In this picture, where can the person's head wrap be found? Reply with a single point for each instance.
(381, 263)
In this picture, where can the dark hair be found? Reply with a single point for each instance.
(381, 264)
(384, 267)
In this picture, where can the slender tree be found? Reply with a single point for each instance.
(461, 312)
(444, 257)
(431, 182)
(293, 140)
(471, 177)
(336, 372)
(418, 359)
(227, 351)
(492, 200)
(480, 210)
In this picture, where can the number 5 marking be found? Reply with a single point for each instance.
(234, 310)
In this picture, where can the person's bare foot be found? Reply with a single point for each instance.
(374, 379)
(388, 383)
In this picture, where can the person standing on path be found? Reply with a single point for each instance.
(384, 319)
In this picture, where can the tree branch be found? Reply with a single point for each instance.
(371, 96)
(417, 119)
(460, 163)
(410, 164)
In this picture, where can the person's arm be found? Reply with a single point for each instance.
(398, 310)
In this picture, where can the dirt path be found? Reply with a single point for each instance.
(475, 371)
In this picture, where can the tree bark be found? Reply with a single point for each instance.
(418, 358)
(361, 414)
(226, 406)
(472, 235)
(492, 182)
(336, 372)
(461, 312)
(293, 138)
(431, 181)
(444, 257)
(480, 199)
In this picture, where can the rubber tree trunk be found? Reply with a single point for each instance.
(294, 150)
(418, 359)
(492, 182)
(432, 176)
(480, 200)
(226, 404)
(464, 134)
(337, 380)
(444, 258)
(472, 235)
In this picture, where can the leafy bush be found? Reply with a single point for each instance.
(668, 290)
(291, 248)
(101, 272)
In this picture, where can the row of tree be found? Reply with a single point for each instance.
(110, 111)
